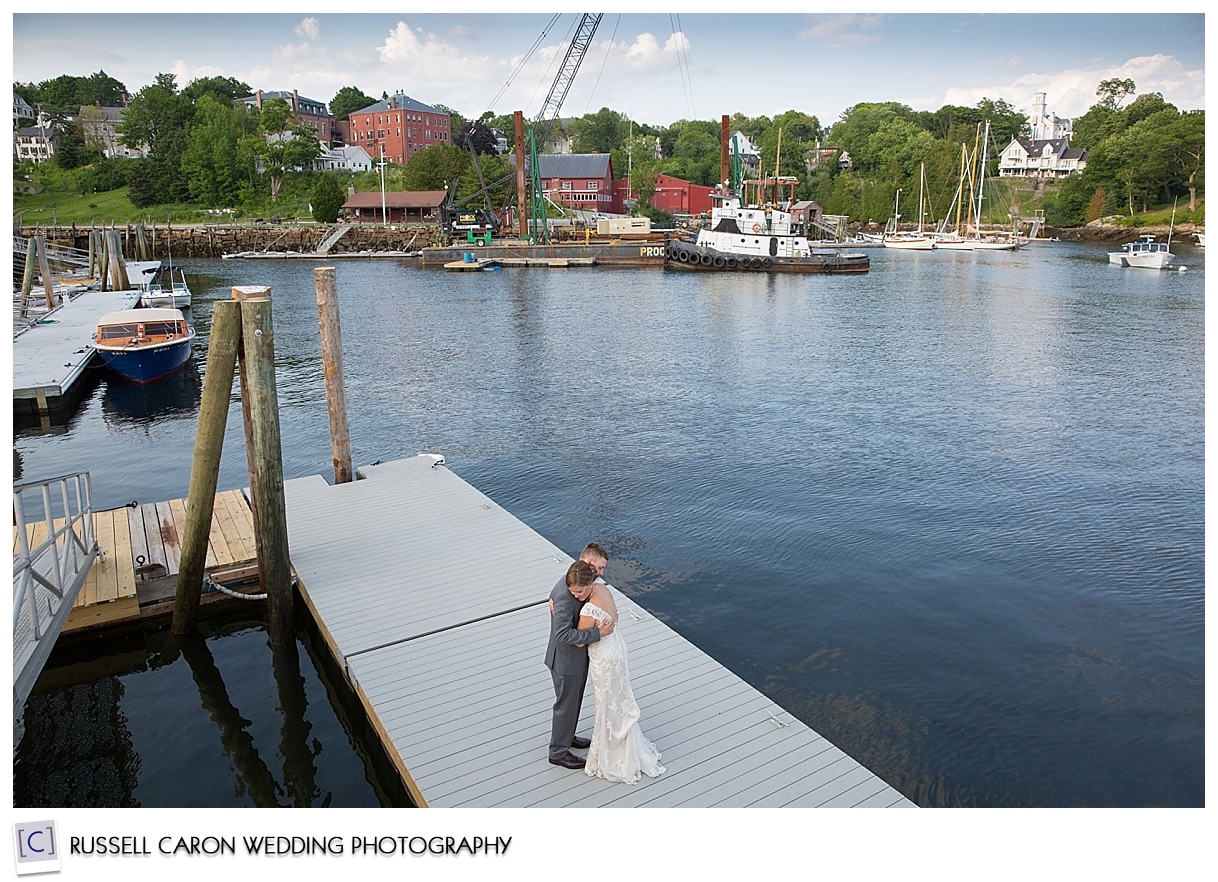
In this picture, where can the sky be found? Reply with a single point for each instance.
(654, 68)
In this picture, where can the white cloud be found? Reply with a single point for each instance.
(1071, 93)
(308, 28)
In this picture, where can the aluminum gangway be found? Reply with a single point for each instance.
(54, 547)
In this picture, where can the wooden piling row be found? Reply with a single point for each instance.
(215, 241)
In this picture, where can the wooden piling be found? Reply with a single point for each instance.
(118, 267)
(332, 366)
(270, 521)
(522, 208)
(205, 470)
(44, 270)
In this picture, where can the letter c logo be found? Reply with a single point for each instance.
(29, 841)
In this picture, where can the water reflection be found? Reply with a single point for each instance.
(133, 404)
(98, 731)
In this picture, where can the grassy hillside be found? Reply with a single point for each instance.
(53, 197)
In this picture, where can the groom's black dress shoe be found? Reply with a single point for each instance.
(581, 743)
(569, 761)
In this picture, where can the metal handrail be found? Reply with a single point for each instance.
(48, 576)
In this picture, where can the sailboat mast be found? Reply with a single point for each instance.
(985, 141)
(960, 188)
(777, 165)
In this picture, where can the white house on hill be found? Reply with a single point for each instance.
(1047, 153)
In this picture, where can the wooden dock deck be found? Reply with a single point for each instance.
(433, 599)
(51, 354)
(136, 577)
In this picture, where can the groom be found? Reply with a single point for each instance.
(567, 659)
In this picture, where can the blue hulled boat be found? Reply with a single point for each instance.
(144, 345)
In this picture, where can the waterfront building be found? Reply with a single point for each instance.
(350, 158)
(681, 197)
(99, 126)
(34, 143)
(397, 127)
(21, 109)
(582, 181)
(394, 207)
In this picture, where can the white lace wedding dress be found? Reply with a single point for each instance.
(619, 751)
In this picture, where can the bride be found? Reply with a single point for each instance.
(619, 750)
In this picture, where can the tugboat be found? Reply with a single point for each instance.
(756, 240)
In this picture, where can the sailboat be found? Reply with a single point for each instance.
(962, 203)
(909, 241)
(958, 240)
(981, 243)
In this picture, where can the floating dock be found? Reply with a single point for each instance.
(642, 252)
(137, 577)
(446, 656)
(52, 351)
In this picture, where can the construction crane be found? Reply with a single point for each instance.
(479, 223)
(548, 115)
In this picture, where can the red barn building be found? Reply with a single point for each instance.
(681, 197)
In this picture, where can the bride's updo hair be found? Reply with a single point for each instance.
(581, 573)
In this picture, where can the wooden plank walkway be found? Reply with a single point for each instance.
(434, 600)
(141, 545)
(50, 356)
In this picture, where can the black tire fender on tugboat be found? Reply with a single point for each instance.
(731, 262)
(705, 259)
(719, 262)
(767, 262)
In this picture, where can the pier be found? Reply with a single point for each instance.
(432, 599)
(52, 351)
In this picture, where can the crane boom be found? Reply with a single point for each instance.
(566, 73)
(549, 114)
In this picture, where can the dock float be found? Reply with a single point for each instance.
(433, 600)
(470, 265)
(51, 353)
(135, 576)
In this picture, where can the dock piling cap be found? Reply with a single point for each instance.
(251, 292)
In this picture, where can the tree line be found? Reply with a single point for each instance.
(207, 147)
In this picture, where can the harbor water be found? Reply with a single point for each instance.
(950, 513)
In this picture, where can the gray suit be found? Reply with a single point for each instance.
(568, 664)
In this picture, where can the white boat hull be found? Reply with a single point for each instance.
(1144, 254)
(912, 243)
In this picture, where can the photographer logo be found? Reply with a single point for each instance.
(36, 847)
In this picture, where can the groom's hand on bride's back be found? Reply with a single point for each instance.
(606, 627)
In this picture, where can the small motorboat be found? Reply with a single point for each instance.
(176, 296)
(144, 345)
(1145, 252)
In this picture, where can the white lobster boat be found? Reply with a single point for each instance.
(1145, 253)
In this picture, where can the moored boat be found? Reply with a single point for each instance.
(1145, 253)
(144, 345)
(908, 240)
(757, 240)
(176, 296)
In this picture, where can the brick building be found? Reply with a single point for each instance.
(400, 125)
(308, 112)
